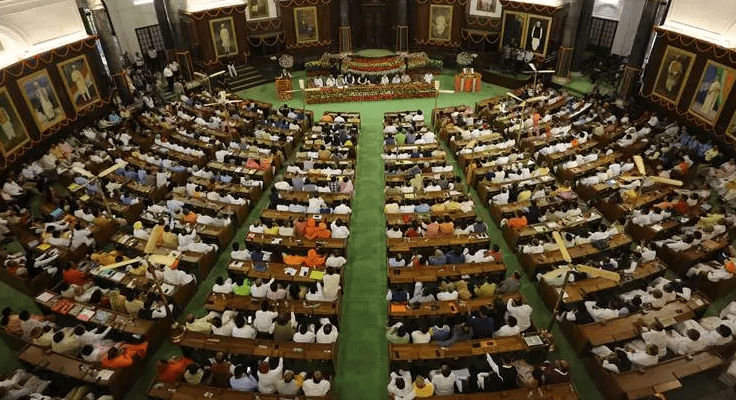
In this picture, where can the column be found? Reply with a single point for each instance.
(632, 70)
(564, 55)
(110, 47)
(402, 28)
(346, 42)
(167, 14)
(581, 39)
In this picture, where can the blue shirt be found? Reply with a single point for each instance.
(453, 258)
(482, 327)
(245, 384)
(422, 208)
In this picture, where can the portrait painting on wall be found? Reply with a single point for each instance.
(223, 37)
(731, 130)
(440, 22)
(712, 91)
(261, 9)
(484, 8)
(13, 133)
(673, 74)
(537, 32)
(42, 100)
(305, 24)
(79, 82)
(512, 29)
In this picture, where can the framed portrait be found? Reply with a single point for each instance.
(79, 82)
(13, 133)
(440, 22)
(731, 130)
(306, 25)
(484, 8)
(673, 73)
(261, 9)
(223, 37)
(42, 100)
(714, 86)
(537, 33)
(512, 29)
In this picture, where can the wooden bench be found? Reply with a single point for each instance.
(532, 262)
(220, 302)
(435, 273)
(412, 352)
(181, 391)
(582, 337)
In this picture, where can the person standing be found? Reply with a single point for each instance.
(152, 58)
(169, 75)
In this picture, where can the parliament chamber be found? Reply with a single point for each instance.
(367, 199)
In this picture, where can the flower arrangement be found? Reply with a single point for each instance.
(286, 61)
(464, 58)
(370, 93)
(374, 66)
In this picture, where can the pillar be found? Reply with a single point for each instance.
(565, 54)
(346, 42)
(581, 39)
(402, 27)
(110, 47)
(632, 70)
(167, 14)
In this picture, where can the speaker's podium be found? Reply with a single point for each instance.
(283, 88)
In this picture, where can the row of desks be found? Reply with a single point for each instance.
(255, 347)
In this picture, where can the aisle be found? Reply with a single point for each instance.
(363, 356)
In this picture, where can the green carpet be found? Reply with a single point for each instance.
(362, 360)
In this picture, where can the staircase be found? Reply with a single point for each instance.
(248, 77)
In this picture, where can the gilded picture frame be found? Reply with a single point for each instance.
(513, 32)
(714, 87)
(306, 24)
(13, 133)
(440, 22)
(671, 81)
(42, 100)
(79, 82)
(224, 39)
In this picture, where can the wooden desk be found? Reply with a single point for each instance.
(118, 384)
(252, 193)
(398, 218)
(514, 236)
(270, 213)
(274, 270)
(404, 245)
(220, 235)
(561, 391)
(465, 159)
(266, 241)
(153, 330)
(437, 273)
(221, 302)
(556, 158)
(446, 308)
(438, 195)
(199, 204)
(548, 259)
(179, 295)
(579, 290)
(202, 263)
(304, 196)
(614, 211)
(29, 286)
(486, 189)
(256, 347)
(181, 391)
(648, 233)
(573, 173)
(623, 328)
(680, 262)
(644, 382)
(478, 347)
(501, 211)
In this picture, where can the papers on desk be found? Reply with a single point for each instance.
(316, 275)
(553, 225)
(698, 302)
(86, 314)
(43, 246)
(105, 374)
(276, 241)
(44, 297)
(290, 271)
(102, 316)
(117, 276)
(304, 271)
(539, 229)
(533, 340)
(657, 227)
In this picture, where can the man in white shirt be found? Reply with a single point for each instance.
(259, 289)
(339, 231)
(268, 377)
(443, 381)
(316, 386)
(522, 312)
(400, 386)
(326, 334)
(342, 208)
